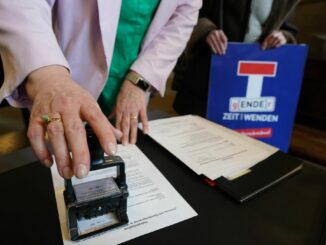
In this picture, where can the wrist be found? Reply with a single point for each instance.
(138, 81)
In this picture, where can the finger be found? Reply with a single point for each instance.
(92, 113)
(213, 49)
(279, 45)
(75, 135)
(275, 42)
(222, 40)
(144, 121)
(270, 41)
(225, 46)
(117, 133)
(277, 39)
(265, 43)
(125, 124)
(211, 45)
(217, 47)
(221, 47)
(35, 134)
(133, 129)
(224, 37)
(282, 38)
(118, 120)
(217, 43)
(59, 146)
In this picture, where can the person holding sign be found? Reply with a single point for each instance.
(221, 21)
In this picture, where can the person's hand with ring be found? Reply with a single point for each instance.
(59, 108)
(130, 107)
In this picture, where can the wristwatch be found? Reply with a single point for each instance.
(139, 81)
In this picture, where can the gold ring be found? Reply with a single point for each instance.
(133, 117)
(48, 119)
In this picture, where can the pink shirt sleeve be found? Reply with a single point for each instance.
(27, 42)
(159, 53)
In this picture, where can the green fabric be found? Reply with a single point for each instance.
(135, 18)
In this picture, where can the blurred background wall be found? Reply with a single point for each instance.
(310, 18)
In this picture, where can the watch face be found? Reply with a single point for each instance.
(142, 84)
(138, 81)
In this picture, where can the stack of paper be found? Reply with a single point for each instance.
(208, 148)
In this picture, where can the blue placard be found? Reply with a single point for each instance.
(256, 91)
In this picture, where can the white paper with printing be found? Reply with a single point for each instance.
(208, 148)
(153, 203)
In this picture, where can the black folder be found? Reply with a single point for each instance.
(262, 176)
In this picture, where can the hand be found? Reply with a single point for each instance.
(274, 40)
(131, 105)
(217, 41)
(53, 92)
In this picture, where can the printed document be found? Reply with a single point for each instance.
(153, 203)
(208, 148)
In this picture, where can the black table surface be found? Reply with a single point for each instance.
(293, 212)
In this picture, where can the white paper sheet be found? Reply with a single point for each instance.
(153, 203)
(208, 148)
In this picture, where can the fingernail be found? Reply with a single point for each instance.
(112, 149)
(124, 142)
(47, 162)
(67, 172)
(81, 171)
